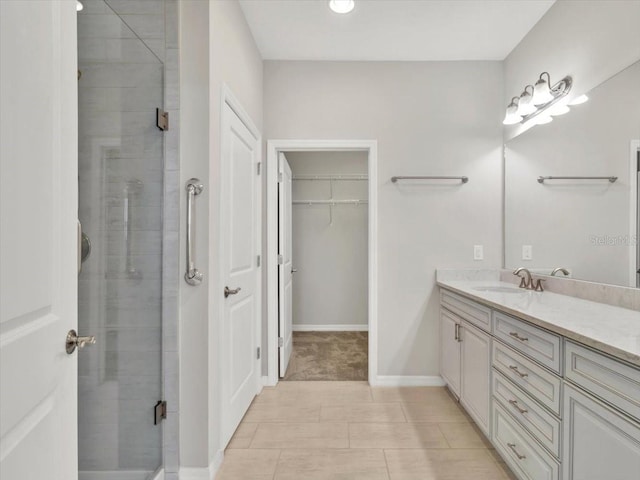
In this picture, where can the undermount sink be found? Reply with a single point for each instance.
(499, 289)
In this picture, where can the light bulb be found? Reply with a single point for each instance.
(341, 6)
(541, 92)
(511, 117)
(79, 5)
(525, 105)
(579, 100)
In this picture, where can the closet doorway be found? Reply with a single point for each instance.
(321, 225)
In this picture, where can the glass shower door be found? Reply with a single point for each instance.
(121, 162)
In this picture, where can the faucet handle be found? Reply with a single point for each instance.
(538, 285)
(523, 282)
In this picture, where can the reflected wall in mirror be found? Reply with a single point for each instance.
(588, 226)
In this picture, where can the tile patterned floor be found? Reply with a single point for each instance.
(350, 431)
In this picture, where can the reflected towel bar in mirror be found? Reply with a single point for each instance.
(611, 179)
(463, 179)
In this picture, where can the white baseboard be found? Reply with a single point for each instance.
(265, 381)
(205, 473)
(408, 381)
(331, 328)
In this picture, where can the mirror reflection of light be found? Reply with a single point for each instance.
(341, 6)
(579, 100)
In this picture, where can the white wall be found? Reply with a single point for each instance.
(216, 48)
(561, 218)
(330, 250)
(437, 118)
(590, 40)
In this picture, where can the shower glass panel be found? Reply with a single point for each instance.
(121, 162)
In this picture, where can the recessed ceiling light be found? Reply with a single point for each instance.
(341, 6)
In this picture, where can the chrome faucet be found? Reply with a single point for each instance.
(525, 282)
(564, 271)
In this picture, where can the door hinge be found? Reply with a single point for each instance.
(259, 167)
(162, 119)
(258, 354)
(280, 260)
(279, 177)
(159, 412)
(259, 260)
(280, 342)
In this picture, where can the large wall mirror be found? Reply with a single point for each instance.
(588, 226)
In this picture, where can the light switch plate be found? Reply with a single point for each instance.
(527, 252)
(478, 252)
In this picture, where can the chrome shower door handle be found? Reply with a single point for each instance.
(228, 291)
(73, 341)
(193, 276)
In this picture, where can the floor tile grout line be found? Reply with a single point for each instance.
(275, 470)
(386, 462)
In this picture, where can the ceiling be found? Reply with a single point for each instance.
(410, 30)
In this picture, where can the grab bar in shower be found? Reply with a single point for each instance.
(193, 276)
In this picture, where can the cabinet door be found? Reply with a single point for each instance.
(599, 443)
(475, 366)
(450, 350)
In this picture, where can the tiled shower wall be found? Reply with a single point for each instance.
(155, 23)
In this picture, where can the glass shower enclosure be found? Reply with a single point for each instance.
(121, 164)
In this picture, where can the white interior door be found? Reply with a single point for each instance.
(240, 244)
(38, 239)
(285, 264)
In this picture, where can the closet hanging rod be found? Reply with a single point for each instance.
(611, 179)
(329, 202)
(463, 179)
(331, 177)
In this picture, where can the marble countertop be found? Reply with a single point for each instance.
(613, 330)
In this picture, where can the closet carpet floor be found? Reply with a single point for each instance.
(351, 431)
(331, 356)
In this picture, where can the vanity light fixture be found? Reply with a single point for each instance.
(79, 5)
(341, 6)
(539, 98)
(512, 117)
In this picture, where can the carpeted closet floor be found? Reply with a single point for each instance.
(329, 356)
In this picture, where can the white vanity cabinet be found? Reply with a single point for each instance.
(466, 355)
(601, 424)
(553, 408)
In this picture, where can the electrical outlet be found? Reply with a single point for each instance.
(527, 252)
(478, 252)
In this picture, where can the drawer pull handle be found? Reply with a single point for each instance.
(512, 446)
(457, 333)
(517, 407)
(515, 369)
(518, 337)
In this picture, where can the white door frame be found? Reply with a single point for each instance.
(273, 147)
(633, 211)
(215, 293)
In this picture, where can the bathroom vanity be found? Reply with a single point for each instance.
(552, 380)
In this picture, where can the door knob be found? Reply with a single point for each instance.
(73, 341)
(228, 291)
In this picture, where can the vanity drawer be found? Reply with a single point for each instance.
(542, 346)
(539, 383)
(538, 421)
(613, 381)
(474, 313)
(520, 450)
